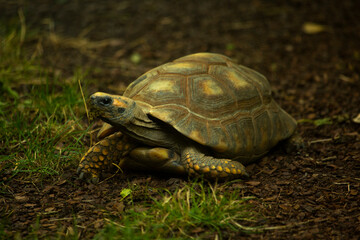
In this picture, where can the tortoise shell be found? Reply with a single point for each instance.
(214, 101)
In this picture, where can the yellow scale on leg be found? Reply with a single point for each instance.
(197, 163)
(102, 155)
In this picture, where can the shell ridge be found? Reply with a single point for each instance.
(187, 93)
(272, 129)
(253, 139)
(254, 112)
(154, 78)
(226, 88)
(251, 81)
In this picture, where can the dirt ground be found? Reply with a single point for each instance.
(310, 52)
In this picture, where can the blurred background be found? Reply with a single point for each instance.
(309, 50)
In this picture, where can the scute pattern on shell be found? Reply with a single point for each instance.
(215, 102)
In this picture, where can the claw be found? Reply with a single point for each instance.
(245, 175)
(87, 176)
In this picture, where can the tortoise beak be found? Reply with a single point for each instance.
(97, 102)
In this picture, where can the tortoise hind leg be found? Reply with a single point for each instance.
(197, 163)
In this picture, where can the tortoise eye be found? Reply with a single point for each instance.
(105, 101)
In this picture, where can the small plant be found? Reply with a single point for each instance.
(326, 121)
(194, 210)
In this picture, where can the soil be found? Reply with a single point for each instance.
(309, 51)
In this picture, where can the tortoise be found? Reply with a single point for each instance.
(201, 114)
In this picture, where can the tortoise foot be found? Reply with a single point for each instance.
(212, 168)
(88, 176)
(103, 155)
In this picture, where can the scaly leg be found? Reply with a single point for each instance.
(197, 163)
(102, 155)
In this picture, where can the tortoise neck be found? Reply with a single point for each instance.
(140, 126)
(141, 119)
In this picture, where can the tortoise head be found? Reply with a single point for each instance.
(113, 109)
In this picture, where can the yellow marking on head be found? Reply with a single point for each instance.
(96, 149)
(212, 167)
(219, 168)
(118, 103)
(91, 165)
(226, 162)
(238, 171)
(233, 171)
(206, 169)
(101, 158)
(100, 94)
(227, 170)
(80, 165)
(105, 152)
(188, 159)
(97, 166)
(196, 167)
(105, 143)
(232, 165)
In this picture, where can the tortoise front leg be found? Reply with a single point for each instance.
(103, 155)
(198, 163)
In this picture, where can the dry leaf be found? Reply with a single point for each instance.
(253, 183)
(49, 209)
(21, 198)
(30, 205)
(313, 28)
(357, 119)
(346, 79)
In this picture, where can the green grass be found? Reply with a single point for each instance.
(195, 210)
(39, 112)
